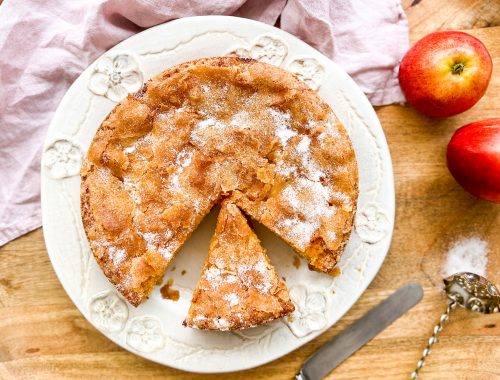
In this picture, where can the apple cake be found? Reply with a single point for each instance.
(238, 287)
(207, 130)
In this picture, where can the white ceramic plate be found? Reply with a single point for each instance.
(154, 330)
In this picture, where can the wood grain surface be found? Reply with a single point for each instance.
(43, 335)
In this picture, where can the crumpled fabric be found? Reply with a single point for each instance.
(45, 45)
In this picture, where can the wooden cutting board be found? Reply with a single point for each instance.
(43, 336)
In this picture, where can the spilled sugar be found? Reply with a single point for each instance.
(467, 255)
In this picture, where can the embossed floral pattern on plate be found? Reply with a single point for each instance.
(267, 49)
(310, 311)
(308, 70)
(371, 224)
(145, 334)
(63, 159)
(115, 76)
(108, 311)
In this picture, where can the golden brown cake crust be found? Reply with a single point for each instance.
(202, 130)
(238, 287)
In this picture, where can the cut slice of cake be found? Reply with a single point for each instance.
(239, 287)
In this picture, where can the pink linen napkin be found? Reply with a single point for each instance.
(44, 46)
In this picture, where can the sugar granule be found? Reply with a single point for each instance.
(467, 255)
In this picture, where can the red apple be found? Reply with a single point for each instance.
(474, 158)
(445, 73)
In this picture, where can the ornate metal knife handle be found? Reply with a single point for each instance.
(467, 290)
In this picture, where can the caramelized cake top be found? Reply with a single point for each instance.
(209, 129)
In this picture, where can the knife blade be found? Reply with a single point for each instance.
(344, 344)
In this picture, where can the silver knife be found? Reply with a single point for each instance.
(360, 332)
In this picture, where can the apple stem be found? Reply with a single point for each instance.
(457, 68)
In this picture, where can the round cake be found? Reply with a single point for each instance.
(209, 130)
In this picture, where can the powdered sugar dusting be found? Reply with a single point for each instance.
(261, 282)
(232, 299)
(205, 130)
(467, 255)
(132, 148)
(330, 237)
(263, 287)
(221, 323)
(330, 131)
(261, 267)
(213, 275)
(240, 120)
(310, 167)
(256, 275)
(342, 197)
(184, 158)
(131, 188)
(151, 239)
(282, 122)
(309, 200)
(166, 252)
(303, 146)
(285, 169)
(231, 279)
(205, 88)
(199, 318)
(210, 123)
(300, 231)
(182, 161)
(116, 255)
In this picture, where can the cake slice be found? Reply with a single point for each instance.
(238, 287)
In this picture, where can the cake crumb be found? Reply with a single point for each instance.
(296, 262)
(467, 255)
(168, 293)
(336, 272)
(183, 272)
